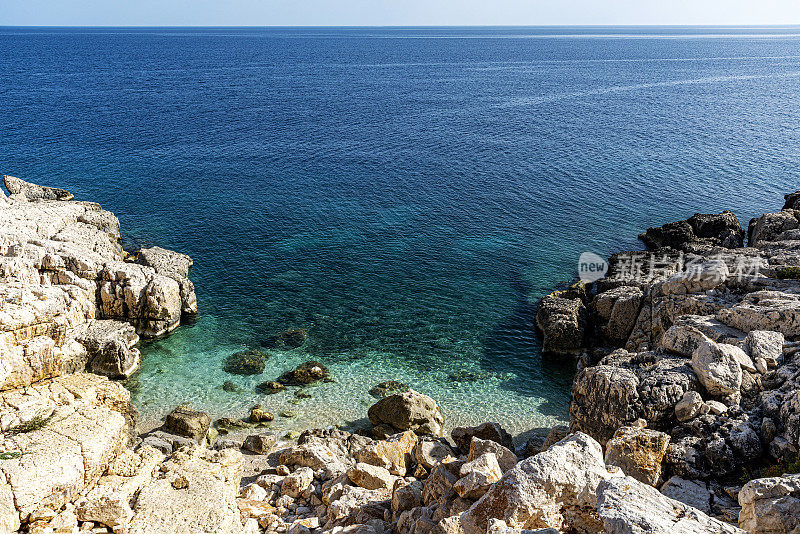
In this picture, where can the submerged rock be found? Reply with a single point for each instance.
(390, 387)
(259, 415)
(270, 387)
(231, 387)
(289, 339)
(246, 362)
(304, 374)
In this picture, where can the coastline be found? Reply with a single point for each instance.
(688, 382)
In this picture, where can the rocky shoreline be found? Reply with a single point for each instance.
(685, 411)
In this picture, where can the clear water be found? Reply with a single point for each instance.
(405, 194)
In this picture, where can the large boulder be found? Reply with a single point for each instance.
(770, 226)
(408, 411)
(718, 368)
(542, 489)
(188, 423)
(626, 506)
(618, 309)
(771, 505)
(462, 435)
(718, 229)
(172, 265)
(562, 322)
(109, 345)
(304, 374)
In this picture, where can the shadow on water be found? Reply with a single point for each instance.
(514, 345)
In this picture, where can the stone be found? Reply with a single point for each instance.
(766, 345)
(556, 434)
(770, 226)
(717, 368)
(406, 495)
(31, 191)
(771, 505)
(314, 455)
(371, 477)
(245, 362)
(462, 435)
(618, 308)
(389, 387)
(477, 476)
(562, 322)
(231, 387)
(626, 506)
(259, 443)
(259, 415)
(506, 459)
(289, 339)
(429, 452)
(716, 407)
(188, 423)
(534, 493)
(306, 373)
(696, 278)
(408, 411)
(112, 510)
(396, 453)
(638, 451)
(172, 265)
(693, 493)
(689, 407)
(297, 482)
(765, 310)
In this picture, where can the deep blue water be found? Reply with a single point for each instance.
(405, 194)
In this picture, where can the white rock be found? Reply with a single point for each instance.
(717, 368)
(771, 505)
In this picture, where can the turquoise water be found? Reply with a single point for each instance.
(405, 194)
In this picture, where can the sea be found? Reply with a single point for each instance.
(405, 195)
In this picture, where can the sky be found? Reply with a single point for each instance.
(395, 12)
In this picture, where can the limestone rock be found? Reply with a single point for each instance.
(638, 452)
(371, 477)
(260, 443)
(534, 493)
(505, 458)
(626, 506)
(297, 482)
(618, 308)
(690, 406)
(408, 411)
(428, 452)
(395, 453)
(109, 345)
(477, 476)
(31, 191)
(693, 493)
(717, 368)
(765, 310)
(771, 505)
(765, 344)
(172, 265)
(696, 278)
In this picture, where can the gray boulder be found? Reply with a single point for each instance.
(717, 368)
(771, 505)
(462, 435)
(409, 410)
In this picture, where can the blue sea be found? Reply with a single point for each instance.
(404, 194)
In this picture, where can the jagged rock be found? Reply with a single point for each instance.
(438, 487)
(693, 493)
(109, 346)
(562, 322)
(721, 229)
(354, 501)
(770, 226)
(462, 435)
(506, 459)
(260, 443)
(313, 455)
(535, 492)
(771, 505)
(477, 476)
(408, 411)
(186, 422)
(690, 406)
(371, 477)
(696, 278)
(306, 373)
(618, 308)
(638, 451)
(556, 434)
(688, 331)
(626, 506)
(297, 482)
(406, 495)
(31, 191)
(717, 368)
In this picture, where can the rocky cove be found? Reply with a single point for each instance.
(685, 412)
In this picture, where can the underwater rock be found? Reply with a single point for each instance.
(300, 394)
(231, 387)
(246, 362)
(389, 387)
(270, 387)
(468, 376)
(306, 373)
(224, 424)
(289, 339)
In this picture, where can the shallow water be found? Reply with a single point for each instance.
(404, 194)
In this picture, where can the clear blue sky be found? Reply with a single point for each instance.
(394, 12)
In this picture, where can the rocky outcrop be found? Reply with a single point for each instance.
(721, 229)
(31, 191)
(771, 505)
(562, 321)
